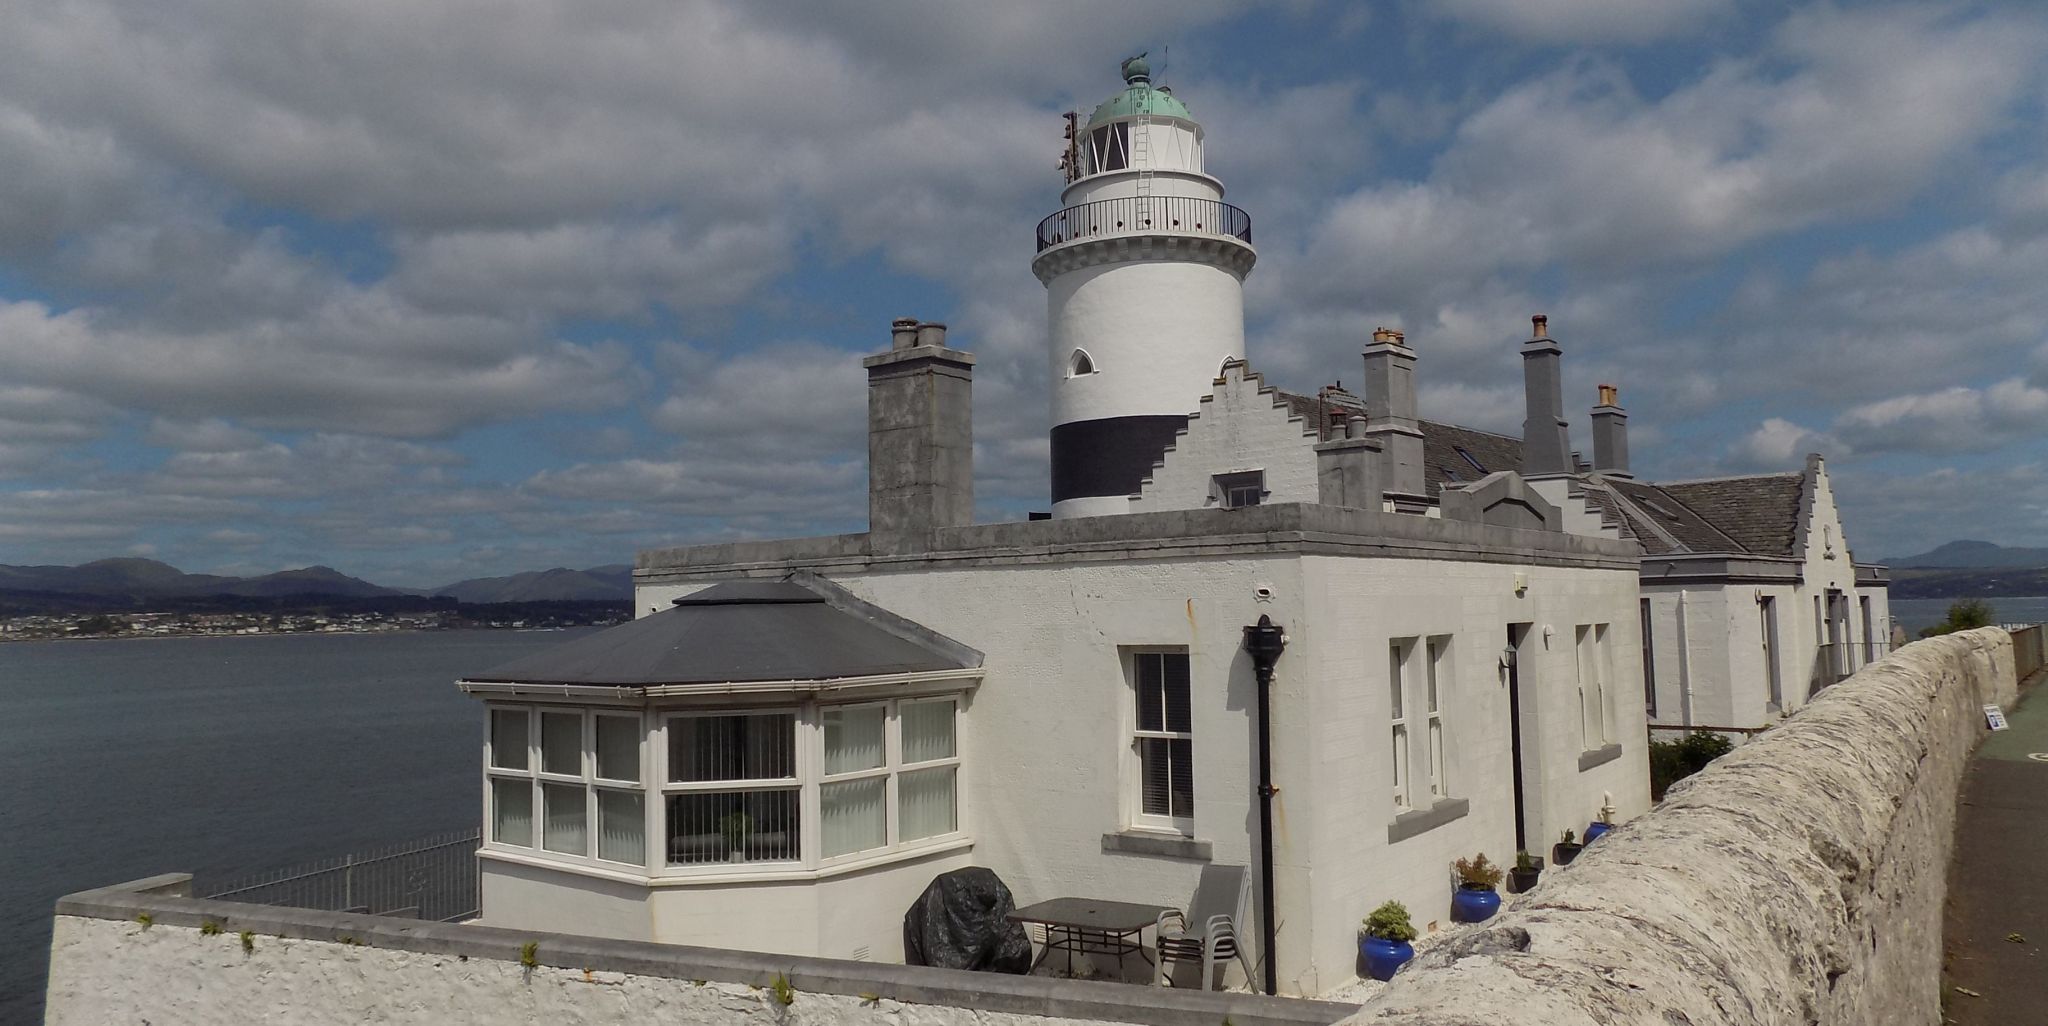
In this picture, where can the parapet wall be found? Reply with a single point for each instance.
(144, 952)
(1797, 880)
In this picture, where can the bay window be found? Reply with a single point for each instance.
(781, 788)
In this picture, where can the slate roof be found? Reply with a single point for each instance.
(1445, 448)
(738, 631)
(1761, 513)
(1756, 515)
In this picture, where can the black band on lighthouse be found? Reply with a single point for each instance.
(1111, 456)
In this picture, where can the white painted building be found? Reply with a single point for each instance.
(783, 760)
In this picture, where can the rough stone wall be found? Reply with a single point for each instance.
(1798, 880)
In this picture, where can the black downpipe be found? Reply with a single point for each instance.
(1265, 641)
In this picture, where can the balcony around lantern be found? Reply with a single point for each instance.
(1151, 215)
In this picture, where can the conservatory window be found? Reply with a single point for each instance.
(552, 773)
(732, 792)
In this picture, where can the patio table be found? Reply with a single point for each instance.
(1091, 926)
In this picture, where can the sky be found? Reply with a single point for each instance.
(434, 291)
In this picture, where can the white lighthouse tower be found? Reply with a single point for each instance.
(1144, 269)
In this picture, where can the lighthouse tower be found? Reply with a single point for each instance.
(1144, 270)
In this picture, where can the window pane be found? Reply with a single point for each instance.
(565, 819)
(1435, 656)
(1400, 747)
(853, 738)
(1151, 703)
(1394, 677)
(927, 730)
(732, 826)
(924, 800)
(621, 826)
(1166, 776)
(561, 743)
(854, 816)
(508, 738)
(761, 746)
(618, 748)
(512, 812)
(1175, 667)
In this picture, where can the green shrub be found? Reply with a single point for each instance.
(1963, 615)
(1673, 761)
(1390, 922)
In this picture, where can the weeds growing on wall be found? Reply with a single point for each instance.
(1673, 761)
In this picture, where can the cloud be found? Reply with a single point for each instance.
(1585, 21)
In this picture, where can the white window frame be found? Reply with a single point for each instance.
(1134, 764)
(892, 769)
(802, 765)
(1590, 648)
(585, 778)
(1399, 651)
(1438, 670)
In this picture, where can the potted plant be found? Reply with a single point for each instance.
(1603, 824)
(1567, 849)
(1523, 877)
(1383, 940)
(736, 828)
(1475, 900)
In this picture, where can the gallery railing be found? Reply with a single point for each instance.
(1144, 215)
(432, 878)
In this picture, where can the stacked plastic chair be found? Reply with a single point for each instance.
(1221, 896)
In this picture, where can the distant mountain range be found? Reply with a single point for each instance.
(139, 580)
(1959, 555)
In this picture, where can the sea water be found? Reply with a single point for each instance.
(224, 756)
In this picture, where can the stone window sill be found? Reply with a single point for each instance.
(1146, 842)
(1599, 757)
(1419, 821)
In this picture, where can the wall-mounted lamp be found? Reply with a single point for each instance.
(1521, 583)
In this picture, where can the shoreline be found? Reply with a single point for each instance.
(9, 639)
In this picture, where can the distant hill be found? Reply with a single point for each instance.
(612, 583)
(128, 582)
(148, 579)
(1991, 582)
(1958, 555)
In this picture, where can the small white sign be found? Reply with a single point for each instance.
(1994, 717)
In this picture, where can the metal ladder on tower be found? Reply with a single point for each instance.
(1141, 158)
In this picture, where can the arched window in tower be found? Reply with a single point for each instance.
(1080, 363)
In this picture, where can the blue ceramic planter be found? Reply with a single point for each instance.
(1471, 903)
(1383, 957)
(1594, 831)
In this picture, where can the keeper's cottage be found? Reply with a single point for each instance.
(1236, 586)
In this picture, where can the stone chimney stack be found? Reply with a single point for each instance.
(1390, 403)
(1546, 445)
(1610, 434)
(920, 437)
(1348, 469)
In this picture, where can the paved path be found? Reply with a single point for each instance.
(1998, 884)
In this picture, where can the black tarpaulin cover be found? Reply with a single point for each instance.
(961, 921)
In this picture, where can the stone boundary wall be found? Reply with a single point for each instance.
(1797, 880)
(307, 968)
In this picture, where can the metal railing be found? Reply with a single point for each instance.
(1141, 215)
(432, 878)
(1835, 662)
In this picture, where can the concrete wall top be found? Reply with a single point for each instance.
(1281, 527)
(88, 965)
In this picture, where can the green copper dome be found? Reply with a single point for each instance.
(1139, 97)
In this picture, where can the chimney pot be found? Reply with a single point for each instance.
(1380, 334)
(1541, 324)
(903, 333)
(931, 333)
(1354, 426)
(1610, 395)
